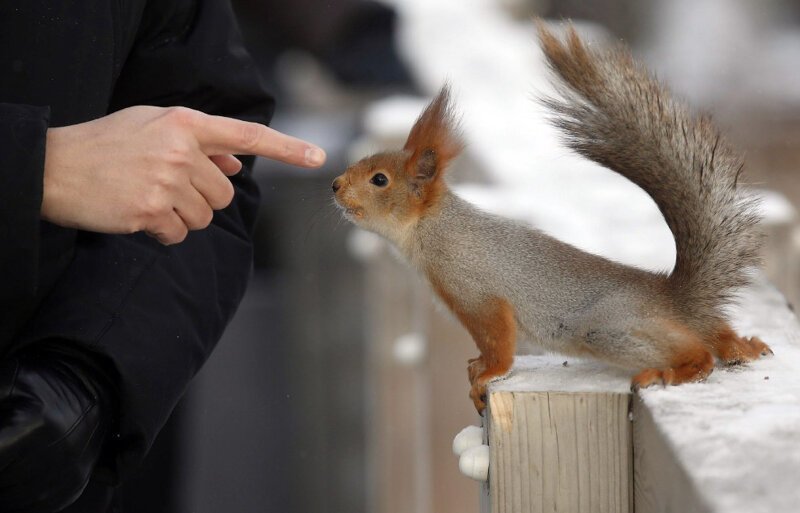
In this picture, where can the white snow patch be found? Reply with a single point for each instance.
(547, 373)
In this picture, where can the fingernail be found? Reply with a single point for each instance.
(315, 156)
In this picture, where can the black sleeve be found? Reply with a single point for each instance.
(156, 312)
(23, 130)
(55, 412)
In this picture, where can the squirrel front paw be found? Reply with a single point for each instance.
(480, 374)
(475, 367)
(478, 395)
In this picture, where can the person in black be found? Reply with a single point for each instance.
(115, 281)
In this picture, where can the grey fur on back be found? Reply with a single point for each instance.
(563, 297)
(612, 111)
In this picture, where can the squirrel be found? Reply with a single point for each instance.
(503, 280)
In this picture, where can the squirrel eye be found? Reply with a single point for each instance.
(379, 179)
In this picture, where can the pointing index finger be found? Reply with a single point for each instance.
(219, 135)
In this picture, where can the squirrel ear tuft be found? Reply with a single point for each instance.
(435, 138)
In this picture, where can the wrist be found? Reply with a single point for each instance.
(52, 190)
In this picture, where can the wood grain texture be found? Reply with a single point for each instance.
(556, 451)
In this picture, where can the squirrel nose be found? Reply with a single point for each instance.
(336, 185)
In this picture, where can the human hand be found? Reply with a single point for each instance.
(153, 169)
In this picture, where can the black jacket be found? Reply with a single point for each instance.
(155, 312)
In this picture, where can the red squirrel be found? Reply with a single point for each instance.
(503, 280)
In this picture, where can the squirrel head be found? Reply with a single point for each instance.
(388, 192)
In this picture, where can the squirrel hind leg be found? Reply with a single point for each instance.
(690, 364)
(672, 352)
(694, 359)
(732, 349)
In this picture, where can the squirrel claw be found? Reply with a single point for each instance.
(741, 350)
(646, 378)
(480, 405)
(478, 395)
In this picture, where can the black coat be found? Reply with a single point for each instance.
(155, 312)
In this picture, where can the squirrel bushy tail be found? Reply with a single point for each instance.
(612, 111)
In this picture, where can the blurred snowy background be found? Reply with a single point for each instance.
(294, 412)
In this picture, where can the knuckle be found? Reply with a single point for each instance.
(175, 236)
(225, 196)
(156, 204)
(178, 154)
(134, 225)
(181, 116)
(135, 220)
(148, 112)
(200, 219)
(250, 135)
(206, 218)
(181, 234)
(164, 180)
(229, 194)
(286, 151)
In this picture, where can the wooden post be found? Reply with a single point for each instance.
(558, 451)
